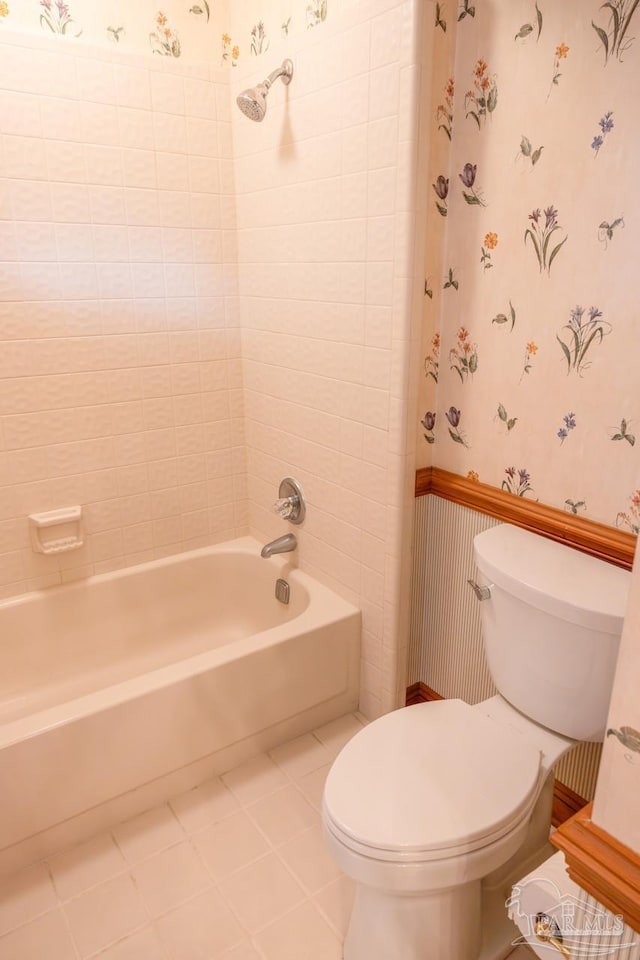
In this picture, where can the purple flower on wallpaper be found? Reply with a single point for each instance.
(606, 126)
(259, 41)
(468, 177)
(429, 423)
(441, 187)
(540, 237)
(583, 333)
(453, 415)
(518, 482)
(58, 20)
(569, 421)
(606, 123)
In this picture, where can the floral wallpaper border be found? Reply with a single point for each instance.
(170, 31)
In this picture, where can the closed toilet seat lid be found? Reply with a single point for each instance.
(430, 779)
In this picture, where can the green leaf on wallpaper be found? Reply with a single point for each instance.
(504, 416)
(539, 18)
(503, 318)
(566, 351)
(467, 11)
(524, 31)
(605, 230)
(604, 39)
(492, 99)
(473, 363)
(525, 146)
(450, 282)
(556, 251)
(198, 10)
(623, 435)
(535, 156)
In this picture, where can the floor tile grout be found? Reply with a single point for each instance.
(308, 759)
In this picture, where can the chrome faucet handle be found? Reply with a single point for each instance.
(290, 505)
(286, 507)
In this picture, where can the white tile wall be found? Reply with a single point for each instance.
(326, 193)
(120, 379)
(193, 306)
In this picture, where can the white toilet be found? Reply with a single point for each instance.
(435, 809)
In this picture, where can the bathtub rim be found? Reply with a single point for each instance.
(324, 606)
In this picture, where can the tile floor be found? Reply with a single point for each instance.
(233, 870)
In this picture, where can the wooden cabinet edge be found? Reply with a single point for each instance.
(601, 865)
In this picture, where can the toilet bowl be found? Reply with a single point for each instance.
(430, 809)
(418, 808)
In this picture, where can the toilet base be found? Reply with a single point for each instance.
(443, 924)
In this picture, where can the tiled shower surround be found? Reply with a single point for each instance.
(326, 201)
(193, 306)
(120, 379)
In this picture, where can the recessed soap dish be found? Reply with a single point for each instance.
(56, 531)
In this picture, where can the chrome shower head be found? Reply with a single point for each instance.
(253, 102)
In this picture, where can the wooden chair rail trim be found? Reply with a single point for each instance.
(565, 801)
(601, 865)
(596, 539)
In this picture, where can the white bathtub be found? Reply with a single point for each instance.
(136, 683)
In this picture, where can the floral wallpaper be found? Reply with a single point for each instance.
(198, 31)
(530, 381)
(177, 28)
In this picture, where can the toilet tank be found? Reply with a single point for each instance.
(551, 628)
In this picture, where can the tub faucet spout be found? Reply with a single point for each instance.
(282, 545)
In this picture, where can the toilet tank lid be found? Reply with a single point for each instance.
(553, 577)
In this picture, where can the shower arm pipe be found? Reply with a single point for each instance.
(285, 70)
